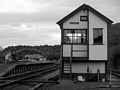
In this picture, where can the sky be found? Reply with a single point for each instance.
(33, 22)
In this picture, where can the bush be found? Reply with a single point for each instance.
(91, 78)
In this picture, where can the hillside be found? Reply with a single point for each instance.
(114, 34)
(114, 46)
(51, 52)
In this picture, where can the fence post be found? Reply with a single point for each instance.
(98, 75)
(110, 78)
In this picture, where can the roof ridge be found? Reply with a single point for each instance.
(83, 7)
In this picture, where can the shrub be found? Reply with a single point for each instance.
(91, 78)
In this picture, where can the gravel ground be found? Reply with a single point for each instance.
(69, 85)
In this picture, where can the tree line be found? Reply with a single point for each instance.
(114, 46)
(48, 51)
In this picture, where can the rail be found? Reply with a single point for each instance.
(10, 80)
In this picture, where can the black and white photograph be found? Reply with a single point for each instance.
(59, 45)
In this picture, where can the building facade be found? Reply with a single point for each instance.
(84, 42)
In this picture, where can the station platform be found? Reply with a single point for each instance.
(21, 67)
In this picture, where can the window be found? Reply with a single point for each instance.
(98, 36)
(83, 18)
(75, 36)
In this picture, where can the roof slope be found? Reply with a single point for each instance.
(85, 7)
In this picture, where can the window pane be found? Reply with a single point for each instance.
(74, 39)
(83, 18)
(67, 36)
(74, 36)
(84, 39)
(78, 39)
(98, 36)
(83, 33)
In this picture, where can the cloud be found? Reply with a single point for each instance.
(19, 6)
(15, 24)
(33, 22)
(26, 34)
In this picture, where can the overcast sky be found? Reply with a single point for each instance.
(33, 22)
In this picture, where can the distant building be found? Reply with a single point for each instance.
(5, 57)
(84, 42)
(34, 56)
(8, 57)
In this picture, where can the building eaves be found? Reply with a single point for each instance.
(85, 7)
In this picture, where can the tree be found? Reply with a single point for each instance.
(116, 57)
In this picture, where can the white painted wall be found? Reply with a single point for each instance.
(76, 51)
(81, 67)
(76, 18)
(97, 52)
(79, 54)
(79, 47)
(66, 50)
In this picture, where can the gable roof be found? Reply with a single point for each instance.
(85, 7)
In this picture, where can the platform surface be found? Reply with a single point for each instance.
(4, 68)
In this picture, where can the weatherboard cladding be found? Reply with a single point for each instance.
(81, 67)
(84, 7)
(94, 22)
(97, 52)
(67, 50)
(97, 55)
(75, 23)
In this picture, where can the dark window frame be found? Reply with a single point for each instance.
(81, 18)
(99, 38)
(72, 41)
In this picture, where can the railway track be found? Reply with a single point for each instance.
(17, 79)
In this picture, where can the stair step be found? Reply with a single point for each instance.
(67, 66)
(66, 69)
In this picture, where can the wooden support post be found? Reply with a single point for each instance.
(110, 79)
(30, 67)
(15, 70)
(98, 75)
(20, 69)
(71, 61)
(25, 68)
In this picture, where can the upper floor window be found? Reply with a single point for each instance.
(75, 36)
(83, 18)
(98, 36)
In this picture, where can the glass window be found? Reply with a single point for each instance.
(75, 36)
(83, 18)
(97, 36)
